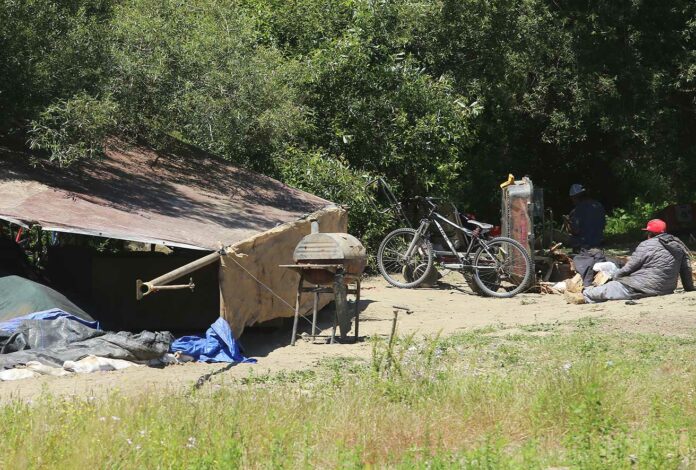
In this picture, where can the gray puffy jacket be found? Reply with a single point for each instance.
(656, 264)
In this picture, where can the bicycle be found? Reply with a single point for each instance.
(498, 266)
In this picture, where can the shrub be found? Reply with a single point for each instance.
(330, 178)
(631, 219)
(74, 129)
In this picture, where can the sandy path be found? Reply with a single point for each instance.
(441, 310)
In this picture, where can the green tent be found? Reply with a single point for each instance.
(20, 296)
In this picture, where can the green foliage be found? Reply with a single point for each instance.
(74, 129)
(331, 178)
(377, 105)
(197, 72)
(443, 97)
(50, 50)
(632, 219)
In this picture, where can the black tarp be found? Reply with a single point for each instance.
(103, 284)
(52, 342)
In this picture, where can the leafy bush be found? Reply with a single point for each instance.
(443, 97)
(631, 219)
(198, 72)
(331, 178)
(383, 110)
(74, 129)
(51, 50)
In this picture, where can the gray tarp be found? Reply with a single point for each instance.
(52, 342)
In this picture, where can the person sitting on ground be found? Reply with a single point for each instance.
(587, 220)
(587, 223)
(652, 270)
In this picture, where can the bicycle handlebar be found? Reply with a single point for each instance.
(429, 200)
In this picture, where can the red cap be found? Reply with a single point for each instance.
(656, 226)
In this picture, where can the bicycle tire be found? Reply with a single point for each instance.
(384, 271)
(528, 272)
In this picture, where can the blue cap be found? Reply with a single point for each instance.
(576, 189)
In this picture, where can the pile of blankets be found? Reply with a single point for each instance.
(55, 342)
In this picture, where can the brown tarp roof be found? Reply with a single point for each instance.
(181, 197)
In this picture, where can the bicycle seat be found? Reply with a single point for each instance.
(484, 227)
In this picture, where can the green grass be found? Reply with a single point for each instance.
(580, 399)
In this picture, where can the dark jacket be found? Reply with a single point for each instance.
(656, 264)
(587, 223)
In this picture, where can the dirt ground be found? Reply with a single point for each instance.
(448, 309)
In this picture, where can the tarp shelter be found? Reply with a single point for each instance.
(179, 198)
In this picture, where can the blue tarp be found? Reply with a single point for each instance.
(52, 314)
(218, 345)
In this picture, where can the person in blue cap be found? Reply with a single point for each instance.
(587, 220)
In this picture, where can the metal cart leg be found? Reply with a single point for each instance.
(297, 311)
(357, 310)
(314, 316)
(333, 331)
(338, 279)
(342, 317)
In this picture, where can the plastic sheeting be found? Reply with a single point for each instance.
(180, 196)
(585, 260)
(85, 365)
(218, 345)
(12, 325)
(53, 342)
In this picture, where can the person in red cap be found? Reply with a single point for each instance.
(653, 269)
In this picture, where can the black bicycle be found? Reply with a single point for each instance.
(493, 266)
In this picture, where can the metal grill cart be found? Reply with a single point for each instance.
(329, 263)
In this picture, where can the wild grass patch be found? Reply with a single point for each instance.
(584, 399)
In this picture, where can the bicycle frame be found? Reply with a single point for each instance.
(438, 219)
(471, 238)
(489, 263)
(394, 205)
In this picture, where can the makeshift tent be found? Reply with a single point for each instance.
(182, 198)
(20, 296)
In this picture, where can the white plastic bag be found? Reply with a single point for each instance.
(607, 267)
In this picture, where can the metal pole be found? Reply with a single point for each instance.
(357, 310)
(297, 310)
(393, 329)
(145, 288)
(341, 306)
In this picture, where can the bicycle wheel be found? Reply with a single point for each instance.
(398, 269)
(502, 268)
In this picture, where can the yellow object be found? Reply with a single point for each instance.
(510, 180)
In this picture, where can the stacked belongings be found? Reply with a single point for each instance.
(44, 333)
(523, 219)
(522, 210)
